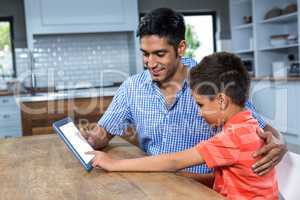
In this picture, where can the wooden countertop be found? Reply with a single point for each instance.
(41, 167)
(6, 93)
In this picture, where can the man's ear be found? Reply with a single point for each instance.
(181, 48)
(223, 101)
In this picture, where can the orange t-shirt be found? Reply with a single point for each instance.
(230, 153)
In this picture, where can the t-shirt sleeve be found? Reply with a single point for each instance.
(220, 150)
(118, 116)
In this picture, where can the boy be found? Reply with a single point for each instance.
(220, 87)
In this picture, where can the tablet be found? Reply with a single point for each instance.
(77, 144)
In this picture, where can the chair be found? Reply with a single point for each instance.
(289, 177)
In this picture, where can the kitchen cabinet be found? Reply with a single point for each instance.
(292, 134)
(277, 102)
(262, 96)
(10, 117)
(60, 17)
(38, 117)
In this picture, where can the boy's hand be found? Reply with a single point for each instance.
(271, 153)
(102, 160)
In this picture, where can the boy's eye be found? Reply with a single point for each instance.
(200, 105)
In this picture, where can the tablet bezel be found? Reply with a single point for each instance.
(56, 126)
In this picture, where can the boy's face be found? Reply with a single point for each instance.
(209, 109)
(160, 57)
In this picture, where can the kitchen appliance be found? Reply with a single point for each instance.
(247, 19)
(279, 69)
(294, 67)
(248, 63)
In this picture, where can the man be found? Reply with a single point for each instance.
(159, 103)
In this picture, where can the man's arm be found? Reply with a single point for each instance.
(96, 136)
(114, 121)
(275, 147)
(163, 162)
(272, 152)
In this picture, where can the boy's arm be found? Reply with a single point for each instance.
(163, 162)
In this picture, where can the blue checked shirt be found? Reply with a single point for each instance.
(160, 129)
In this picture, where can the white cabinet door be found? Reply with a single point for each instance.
(262, 96)
(278, 103)
(70, 12)
(77, 16)
(293, 108)
(10, 117)
(282, 98)
(288, 111)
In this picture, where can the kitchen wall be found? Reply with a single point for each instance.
(78, 60)
(15, 8)
(74, 60)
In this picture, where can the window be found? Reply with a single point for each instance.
(200, 34)
(7, 56)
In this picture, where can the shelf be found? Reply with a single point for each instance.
(236, 2)
(244, 26)
(281, 19)
(270, 78)
(279, 47)
(244, 51)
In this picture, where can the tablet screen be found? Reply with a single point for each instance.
(79, 143)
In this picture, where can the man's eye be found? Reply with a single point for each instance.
(160, 54)
(146, 54)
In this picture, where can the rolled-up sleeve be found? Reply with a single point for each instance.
(118, 116)
(249, 105)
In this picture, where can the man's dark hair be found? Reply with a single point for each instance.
(221, 72)
(163, 22)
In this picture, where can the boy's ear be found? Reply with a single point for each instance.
(223, 101)
(181, 48)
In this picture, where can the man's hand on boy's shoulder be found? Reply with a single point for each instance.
(271, 153)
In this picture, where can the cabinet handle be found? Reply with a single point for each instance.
(6, 116)
(290, 134)
(4, 100)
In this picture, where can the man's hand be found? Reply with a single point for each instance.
(271, 153)
(95, 135)
(102, 160)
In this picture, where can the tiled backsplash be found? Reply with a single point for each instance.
(78, 60)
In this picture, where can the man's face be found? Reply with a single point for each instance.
(160, 58)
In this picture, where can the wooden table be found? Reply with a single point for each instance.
(41, 167)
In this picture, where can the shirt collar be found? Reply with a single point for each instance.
(239, 118)
(149, 80)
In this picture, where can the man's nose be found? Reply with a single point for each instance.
(150, 62)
